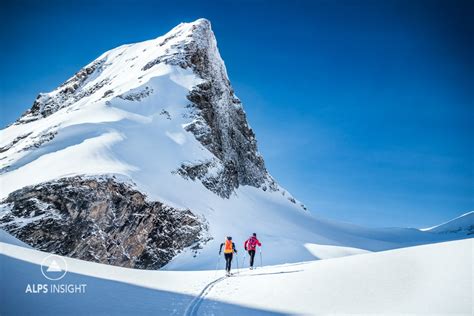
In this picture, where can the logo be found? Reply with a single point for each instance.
(54, 267)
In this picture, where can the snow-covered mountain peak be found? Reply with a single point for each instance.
(201, 27)
(179, 76)
(186, 46)
(199, 30)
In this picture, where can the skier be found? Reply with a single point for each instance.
(250, 245)
(229, 250)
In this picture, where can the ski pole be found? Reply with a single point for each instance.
(261, 263)
(217, 264)
(237, 257)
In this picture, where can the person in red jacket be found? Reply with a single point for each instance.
(250, 245)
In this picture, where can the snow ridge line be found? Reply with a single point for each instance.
(193, 307)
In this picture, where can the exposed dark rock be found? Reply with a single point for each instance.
(108, 93)
(68, 93)
(100, 220)
(136, 95)
(166, 114)
(467, 230)
(221, 180)
(152, 63)
(32, 142)
(42, 138)
(15, 141)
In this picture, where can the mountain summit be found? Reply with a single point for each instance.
(144, 158)
(135, 73)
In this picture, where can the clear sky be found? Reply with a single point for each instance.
(363, 109)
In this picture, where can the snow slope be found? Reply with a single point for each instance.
(127, 114)
(432, 279)
(463, 224)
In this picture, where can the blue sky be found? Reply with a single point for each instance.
(362, 109)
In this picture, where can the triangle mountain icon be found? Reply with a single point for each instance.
(54, 267)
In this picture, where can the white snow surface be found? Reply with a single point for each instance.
(328, 252)
(434, 279)
(143, 140)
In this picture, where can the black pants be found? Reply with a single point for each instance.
(228, 261)
(252, 256)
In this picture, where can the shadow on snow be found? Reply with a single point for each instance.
(101, 297)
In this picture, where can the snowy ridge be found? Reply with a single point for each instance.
(463, 224)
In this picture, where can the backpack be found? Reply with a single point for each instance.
(228, 247)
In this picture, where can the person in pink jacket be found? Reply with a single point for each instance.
(250, 245)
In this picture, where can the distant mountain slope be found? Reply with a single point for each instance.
(463, 225)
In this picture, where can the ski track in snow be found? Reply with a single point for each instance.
(193, 307)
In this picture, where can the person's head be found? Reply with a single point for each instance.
(254, 234)
(229, 238)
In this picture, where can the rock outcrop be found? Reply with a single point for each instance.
(100, 220)
(66, 94)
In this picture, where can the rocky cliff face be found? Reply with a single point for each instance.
(100, 220)
(219, 121)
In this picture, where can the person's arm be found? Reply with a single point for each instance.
(233, 246)
(245, 244)
(259, 243)
(220, 249)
